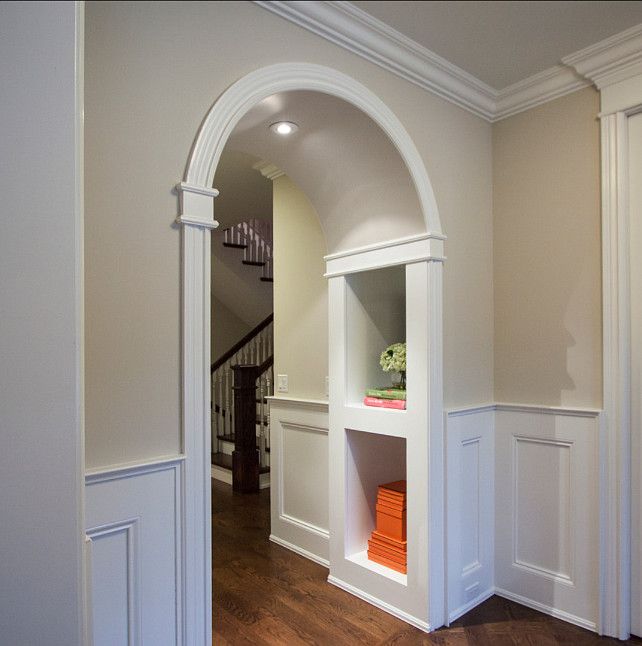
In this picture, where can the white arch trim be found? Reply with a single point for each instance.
(262, 83)
(197, 218)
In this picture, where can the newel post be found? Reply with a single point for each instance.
(245, 458)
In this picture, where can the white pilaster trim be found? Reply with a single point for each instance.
(615, 436)
(611, 60)
(196, 527)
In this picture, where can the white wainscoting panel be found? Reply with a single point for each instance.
(299, 476)
(547, 510)
(133, 516)
(470, 449)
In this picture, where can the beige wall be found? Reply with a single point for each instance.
(300, 293)
(227, 328)
(152, 72)
(547, 254)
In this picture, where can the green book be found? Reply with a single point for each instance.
(386, 393)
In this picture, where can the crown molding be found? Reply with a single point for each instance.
(611, 60)
(344, 24)
(268, 170)
(535, 90)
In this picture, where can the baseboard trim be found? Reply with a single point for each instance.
(300, 551)
(462, 610)
(222, 475)
(547, 610)
(382, 605)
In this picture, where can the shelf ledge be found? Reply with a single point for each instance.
(361, 558)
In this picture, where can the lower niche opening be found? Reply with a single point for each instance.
(371, 460)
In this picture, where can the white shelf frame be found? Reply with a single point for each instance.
(417, 597)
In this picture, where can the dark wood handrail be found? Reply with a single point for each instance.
(246, 339)
(268, 363)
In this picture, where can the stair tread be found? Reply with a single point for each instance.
(224, 461)
(235, 245)
(253, 263)
(267, 279)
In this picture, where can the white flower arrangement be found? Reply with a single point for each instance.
(393, 359)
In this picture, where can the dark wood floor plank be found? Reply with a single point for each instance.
(265, 595)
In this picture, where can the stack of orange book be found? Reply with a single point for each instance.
(388, 545)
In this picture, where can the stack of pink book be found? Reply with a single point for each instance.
(386, 398)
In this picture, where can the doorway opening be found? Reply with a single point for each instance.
(366, 181)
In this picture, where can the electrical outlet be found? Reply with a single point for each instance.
(282, 383)
(327, 386)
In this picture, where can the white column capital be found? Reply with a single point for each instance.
(196, 205)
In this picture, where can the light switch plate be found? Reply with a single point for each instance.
(282, 383)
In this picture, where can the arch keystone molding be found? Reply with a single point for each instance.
(197, 218)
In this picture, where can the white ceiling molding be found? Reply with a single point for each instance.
(340, 22)
(344, 24)
(268, 170)
(537, 89)
(611, 60)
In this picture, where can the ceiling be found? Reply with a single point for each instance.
(340, 158)
(502, 43)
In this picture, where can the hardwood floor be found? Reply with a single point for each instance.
(264, 595)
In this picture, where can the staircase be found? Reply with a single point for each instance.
(251, 360)
(254, 238)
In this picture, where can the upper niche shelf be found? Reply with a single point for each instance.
(375, 318)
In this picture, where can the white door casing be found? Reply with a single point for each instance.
(197, 218)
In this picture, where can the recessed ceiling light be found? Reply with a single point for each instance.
(284, 128)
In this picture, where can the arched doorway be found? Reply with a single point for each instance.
(197, 209)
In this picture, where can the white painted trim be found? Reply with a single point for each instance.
(357, 31)
(382, 605)
(130, 528)
(196, 527)
(462, 610)
(222, 475)
(403, 251)
(308, 527)
(548, 410)
(299, 550)
(343, 24)
(185, 187)
(470, 410)
(196, 221)
(268, 170)
(547, 610)
(545, 86)
(84, 552)
(203, 159)
(615, 436)
(318, 405)
(524, 408)
(611, 60)
(282, 77)
(131, 469)
(388, 244)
